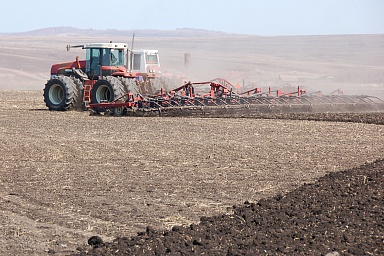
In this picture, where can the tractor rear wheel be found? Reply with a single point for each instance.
(107, 89)
(79, 104)
(60, 93)
(130, 85)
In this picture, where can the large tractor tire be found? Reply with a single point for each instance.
(60, 93)
(107, 89)
(79, 104)
(130, 85)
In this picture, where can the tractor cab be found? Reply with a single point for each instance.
(103, 59)
(145, 61)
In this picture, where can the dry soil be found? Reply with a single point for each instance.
(67, 176)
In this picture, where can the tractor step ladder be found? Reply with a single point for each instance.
(87, 94)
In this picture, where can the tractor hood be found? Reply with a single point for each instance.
(60, 68)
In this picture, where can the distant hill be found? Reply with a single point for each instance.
(71, 31)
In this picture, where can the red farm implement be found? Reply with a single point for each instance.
(205, 98)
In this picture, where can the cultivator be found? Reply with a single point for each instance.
(219, 98)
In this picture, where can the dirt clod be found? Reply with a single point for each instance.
(95, 241)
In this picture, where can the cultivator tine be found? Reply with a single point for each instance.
(344, 99)
(198, 100)
(366, 100)
(238, 102)
(376, 98)
(221, 101)
(329, 101)
(176, 103)
(305, 99)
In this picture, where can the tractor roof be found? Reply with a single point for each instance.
(106, 45)
(146, 51)
(100, 45)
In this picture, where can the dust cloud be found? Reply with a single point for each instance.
(352, 63)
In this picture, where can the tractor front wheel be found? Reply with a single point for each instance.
(107, 89)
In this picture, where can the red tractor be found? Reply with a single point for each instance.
(109, 72)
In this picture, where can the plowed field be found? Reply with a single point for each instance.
(67, 176)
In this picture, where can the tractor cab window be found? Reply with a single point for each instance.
(151, 59)
(117, 57)
(112, 57)
(93, 61)
(136, 61)
(106, 60)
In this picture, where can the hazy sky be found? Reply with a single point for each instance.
(256, 17)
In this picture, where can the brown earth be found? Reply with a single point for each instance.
(67, 176)
(339, 213)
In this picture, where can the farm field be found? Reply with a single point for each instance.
(273, 184)
(339, 214)
(67, 176)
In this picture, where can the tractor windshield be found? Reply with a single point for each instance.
(151, 58)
